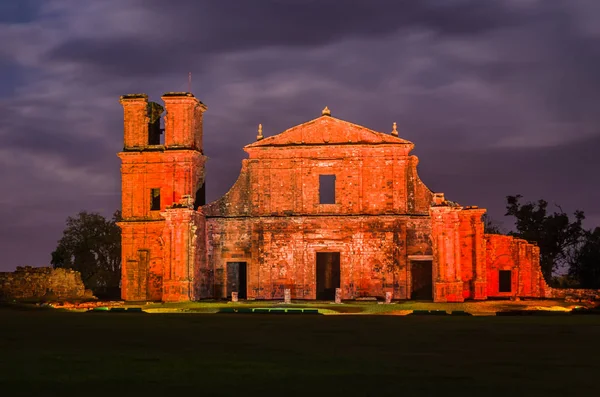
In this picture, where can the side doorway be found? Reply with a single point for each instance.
(504, 281)
(328, 275)
(237, 279)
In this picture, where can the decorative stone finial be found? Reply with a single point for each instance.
(394, 130)
(260, 135)
(326, 112)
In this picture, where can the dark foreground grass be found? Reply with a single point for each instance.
(102, 354)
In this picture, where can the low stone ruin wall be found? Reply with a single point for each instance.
(42, 283)
(574, 294)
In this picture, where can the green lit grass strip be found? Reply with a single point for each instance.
(232, 310)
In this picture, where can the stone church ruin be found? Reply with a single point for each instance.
(324, 205)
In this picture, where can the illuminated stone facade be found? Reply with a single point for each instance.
(327, 204)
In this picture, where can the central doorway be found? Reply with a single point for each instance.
(422, 280)
(328, 274)
(236, 279)
(504, 281)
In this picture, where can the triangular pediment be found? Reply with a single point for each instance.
(327, 130)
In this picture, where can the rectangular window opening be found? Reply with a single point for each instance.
(155, 132)
(326, 189)
(505, 281)
(154, 199)
(162, 131)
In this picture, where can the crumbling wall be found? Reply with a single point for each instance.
(527, 280)
(507, 253)
(42, 283)
(573, 294)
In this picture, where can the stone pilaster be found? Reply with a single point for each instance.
(479, 255)
(182, 237)
(448, 286)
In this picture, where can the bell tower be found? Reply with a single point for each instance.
(160, 167)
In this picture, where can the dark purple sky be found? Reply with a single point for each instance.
(500, 97)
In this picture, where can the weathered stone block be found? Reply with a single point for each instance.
(287, 296)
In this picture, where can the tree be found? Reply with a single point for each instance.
(585, 266)
(558, 237)
(91, 244)
(491, 226)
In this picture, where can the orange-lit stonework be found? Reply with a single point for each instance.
(379, 230)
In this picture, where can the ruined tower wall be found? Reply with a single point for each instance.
(157, 174)
(173, 173)
(142, 260)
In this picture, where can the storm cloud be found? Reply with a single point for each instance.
(498, 96)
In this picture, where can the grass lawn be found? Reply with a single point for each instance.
(52, 353)
(356, 307)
